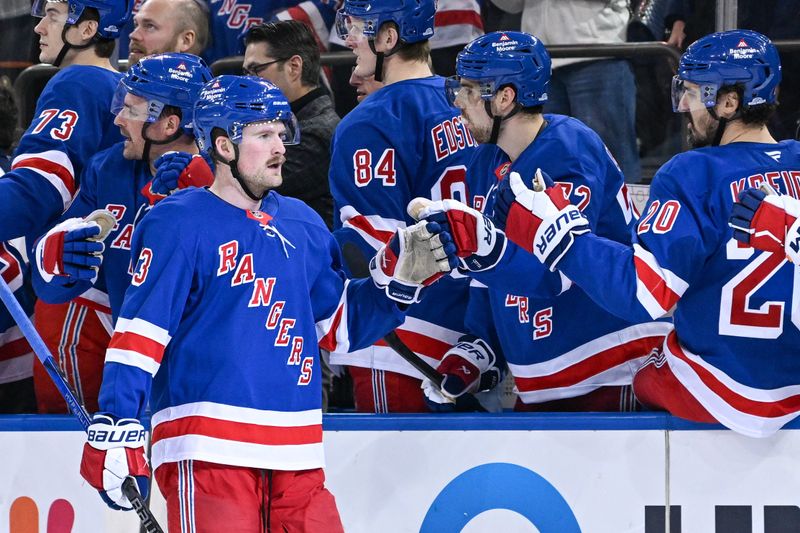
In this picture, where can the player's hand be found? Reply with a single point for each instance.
(114, 450)
(541, 221)
(408, 263)
(177, 170)
(474, 243)
(73, 250)
(766, 220)
(469, 366)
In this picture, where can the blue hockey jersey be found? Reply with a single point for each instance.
(109, 182)
(558, 343)
(230, 20)
(224, 318)
(401, 142)
(72, 122)
(736, 341)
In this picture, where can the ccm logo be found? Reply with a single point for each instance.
(553, 229)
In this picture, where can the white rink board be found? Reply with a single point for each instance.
(722, 468)
(387, 481)
(594, 474)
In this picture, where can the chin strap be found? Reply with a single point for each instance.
(233, 164)
(379, 57)
(723, 122)
(67, 45)
(148, 142)
(497, 121)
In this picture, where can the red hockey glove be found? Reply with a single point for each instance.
(177, 170)
(408, 263)
(114, 451)
(767, 221)
(472, 240)
(469, 366)
(74, 249)
(541, 221)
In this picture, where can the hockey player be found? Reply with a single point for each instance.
(564, 351)
(161, 26)
(404, 141)
(153, 108)
(732, 356)
(67, 127)
(237, 434)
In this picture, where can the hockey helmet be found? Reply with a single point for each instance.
(725, 59)
(114, 14)
(173, 79)
(504, 58)
(414, 18)
(233, 102)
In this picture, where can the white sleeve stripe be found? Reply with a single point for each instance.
(56, 182)
(341, 335)
(54, 156)
(134, 359)
(673, 281)
(143, 328)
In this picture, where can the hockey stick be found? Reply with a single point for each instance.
(359, 268)
(149, 522)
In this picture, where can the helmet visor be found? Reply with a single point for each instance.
(467, 92)
(129, 106)
(689, 96)
(56, 11)
(286, 129)
(355, 29)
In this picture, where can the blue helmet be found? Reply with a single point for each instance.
(233, 102)
(165, 79)
(114, 14)
(505, 58)
(414, 18)
(728, 58)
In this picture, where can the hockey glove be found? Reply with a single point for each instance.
(408, 263)
(475, 243)
(766, 220)
(74, 249)
(469, 366)
(114, 451)
(177, 170)
(541, 221)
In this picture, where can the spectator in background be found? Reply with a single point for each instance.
(286, 54)
(599, 92)
(168, 26)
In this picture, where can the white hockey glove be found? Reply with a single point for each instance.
(769, 221)
(114, 450)
(74, 249)
(470, 239)
(408, 263)
(541, 221)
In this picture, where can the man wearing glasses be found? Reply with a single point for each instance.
(286, 54)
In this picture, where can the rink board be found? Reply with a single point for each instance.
(492, 473)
